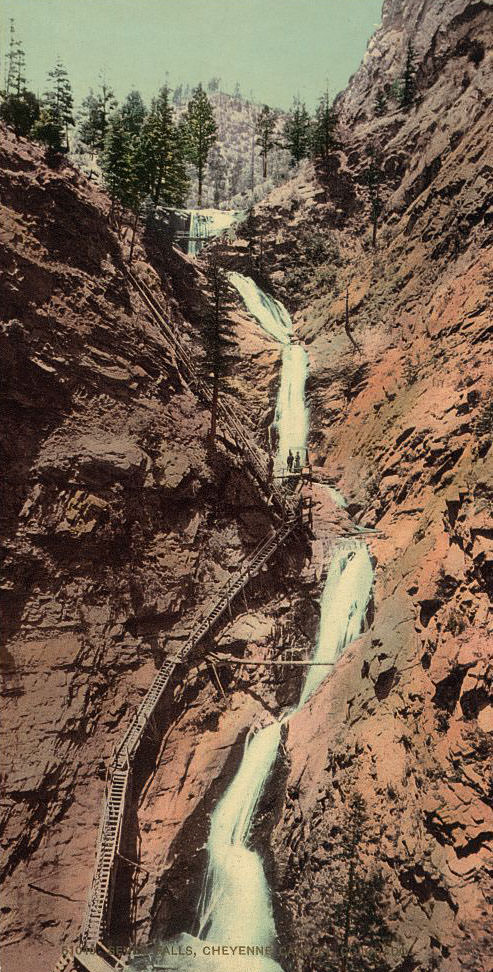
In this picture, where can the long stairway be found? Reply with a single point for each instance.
(286, 506)
(108, 844)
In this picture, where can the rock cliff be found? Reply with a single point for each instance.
(401, 416)
(118, 522)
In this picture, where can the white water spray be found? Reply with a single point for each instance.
(235, 906)
(207, 223)
(291, 415)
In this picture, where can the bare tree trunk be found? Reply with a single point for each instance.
(200, 175)
(134, 230)
(346, 325)
(215, 397)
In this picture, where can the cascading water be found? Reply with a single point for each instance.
(291, 415)
(235, 907)
(207, 223)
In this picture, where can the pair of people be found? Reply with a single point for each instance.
(293, 462)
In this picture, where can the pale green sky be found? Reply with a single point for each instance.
(275, 48)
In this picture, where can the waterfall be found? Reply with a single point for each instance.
(207, 223)
(236, 903)
(270, 313)
(291, 415)
(235, 907)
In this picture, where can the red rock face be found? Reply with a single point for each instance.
(116, 526)
(405, 424)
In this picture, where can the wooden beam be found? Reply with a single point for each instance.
(230, 660)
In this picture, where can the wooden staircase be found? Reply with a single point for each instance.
(108, 843)
(288, 512)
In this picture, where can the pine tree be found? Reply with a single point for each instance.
(374, 177)
(215, 327)
(59, 99)
(49, 130)
(200, 132)
(133, 112)
(16, 59)
(265, 129)
(10, 59)
(380, 103)
(324, 138)
(297, 132)
(19, 107)
(408, 85)
(163, 149)
(95, 115)
(361, 931)
(217, 168)
(20, 112)
(137, 184)
(250, 233)
(115, 163)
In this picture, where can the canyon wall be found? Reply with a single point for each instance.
(117, 523)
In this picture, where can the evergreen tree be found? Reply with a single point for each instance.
(178, 95)
(408, 85)
(361, 930)
(133, 112)
(137, 184)
(213, 84)
(217, 168)
(374, 177)
(215, 326)
(297, 132)
(163, 153)
(20, 112)
(19, 107)
(59, 99)
(200, 132)
(265, 129)
(49, 130)
(347, 908)
(16, 61)
(116, 165)
(324, 139)
(380, 103)
(252, 232)
(95, 114)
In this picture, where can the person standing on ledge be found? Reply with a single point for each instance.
(290, 461)
(297, 463)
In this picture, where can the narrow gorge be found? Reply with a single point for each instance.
(258, 665)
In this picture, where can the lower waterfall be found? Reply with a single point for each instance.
(235, 909)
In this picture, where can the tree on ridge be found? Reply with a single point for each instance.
(59, 99)
(215, 327)
(297, 130)
(199, 133)
(265, 130)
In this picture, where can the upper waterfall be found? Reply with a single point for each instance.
(269, 312)
(291, 416)
(207, 223)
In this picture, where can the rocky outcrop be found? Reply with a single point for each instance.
(117, 524)
(403, 421)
